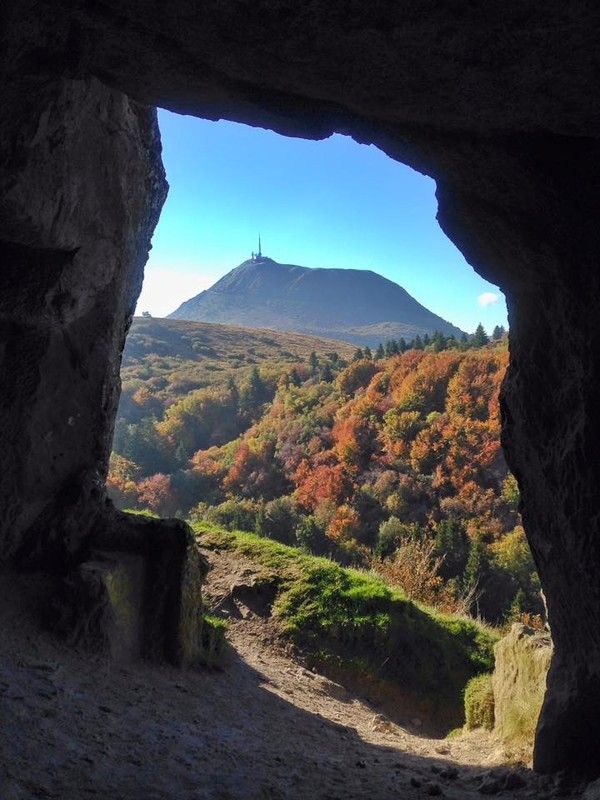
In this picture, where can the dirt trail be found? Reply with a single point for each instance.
(264, 728)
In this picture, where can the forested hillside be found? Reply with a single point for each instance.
(391, 462)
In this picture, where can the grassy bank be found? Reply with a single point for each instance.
(352, 622)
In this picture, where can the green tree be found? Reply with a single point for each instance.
(451, 543)
(310, 535)
(380, 352)
(295, 378)
(368, 353)
(313, 363)
(438, 342)
(358, 355)
(233, 390)
(510, 492)
(417, 343)
(498, 332)
(326, 374)
(480, 337)
(476, 571)
(254, 393)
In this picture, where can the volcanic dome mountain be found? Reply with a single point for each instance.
(354, 305)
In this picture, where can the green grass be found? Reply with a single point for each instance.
(479, 703)
(356, 621)
(213, 641)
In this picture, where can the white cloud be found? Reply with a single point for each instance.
(165, 288)
(488, 299)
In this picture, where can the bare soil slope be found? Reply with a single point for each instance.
(264, 727)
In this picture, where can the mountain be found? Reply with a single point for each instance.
(357, 306)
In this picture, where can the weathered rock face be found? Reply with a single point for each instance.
(82, 188)
(522, 659)
(498, 103)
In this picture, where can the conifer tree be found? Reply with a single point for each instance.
(452, 542)
(254, 393)
(476, 570)
(417, 343)
(438, 342)
(295, 378)
(498, 332)
(380, 352)
(368, 353)
(480, 337)
(358, 354)
(326, 374)
(313, 363)
(233, 390)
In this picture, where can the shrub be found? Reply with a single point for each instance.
(479, 703)
(233, 515)
(392, 532)
(414, 568)
(279, 520)
(388, 539)
(310, 535)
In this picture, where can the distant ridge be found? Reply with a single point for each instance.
(357, 306)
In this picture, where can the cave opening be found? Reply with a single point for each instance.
(325, 204)
(502, 113)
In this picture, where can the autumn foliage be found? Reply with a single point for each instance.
(341, 451)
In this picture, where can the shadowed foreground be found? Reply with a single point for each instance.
(264, 727)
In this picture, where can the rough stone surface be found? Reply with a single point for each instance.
(81, 189)
(173, 573)
(100, 606)
(522, 660)
(498, 103)
(592, 791)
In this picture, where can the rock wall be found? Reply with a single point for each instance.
(81, 190)
(498, 104)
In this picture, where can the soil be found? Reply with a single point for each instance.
(74, 725)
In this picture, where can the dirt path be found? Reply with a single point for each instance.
(264, 728)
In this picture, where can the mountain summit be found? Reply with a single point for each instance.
(357, 306)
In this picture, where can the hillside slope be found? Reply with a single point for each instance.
(263, 728)
(394, 460)
(167, 358)
(358, 306)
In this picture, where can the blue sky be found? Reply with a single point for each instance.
(333, 203)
